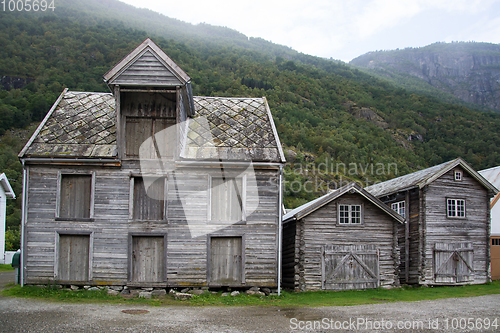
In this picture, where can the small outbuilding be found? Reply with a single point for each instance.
(345, 239)
(446, 240)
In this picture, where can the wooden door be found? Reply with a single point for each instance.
(350, 267)
(225, 261)
(453, 263)
(73, 265)
(148, 259)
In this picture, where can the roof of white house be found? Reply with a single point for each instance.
(4, 183)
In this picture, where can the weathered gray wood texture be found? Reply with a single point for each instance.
(429, 227)
(303, 265)
(73, 263)
(225, 261)
(147, 259)
(186, 257)
(75, 196)
(147, 70)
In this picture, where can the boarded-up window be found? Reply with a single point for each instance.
(139, 130)
(73, 262)
(75, 200)
(226, 260)
(227, 199)
(148, 259)
(148, 204)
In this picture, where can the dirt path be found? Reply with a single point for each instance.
(26, 315)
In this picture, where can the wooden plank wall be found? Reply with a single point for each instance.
(472, 229)
(111, 226)
(320, 228)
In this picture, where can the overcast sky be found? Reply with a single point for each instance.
(343, 29)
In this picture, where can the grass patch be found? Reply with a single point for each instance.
(6, 268)
(287, 299)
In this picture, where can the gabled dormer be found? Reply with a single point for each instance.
(152, 94)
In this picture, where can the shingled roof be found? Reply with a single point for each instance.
(82, 125)
(424, 177)
(232, 129)
(79, 124)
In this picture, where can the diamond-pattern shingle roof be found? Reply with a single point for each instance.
(81, 124)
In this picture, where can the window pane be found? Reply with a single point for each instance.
(75, 196)
(355, 214)
(148, 206)
(343, 214)
(451, 208)
(226, 201)
(460, 208)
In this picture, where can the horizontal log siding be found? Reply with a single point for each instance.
(320, 228)
(111, 226)
(441, 229)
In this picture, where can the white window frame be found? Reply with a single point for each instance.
(458, 176)
(350, 213)
(455, 203)
(399, 207)
(243, 199)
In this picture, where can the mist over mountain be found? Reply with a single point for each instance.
(467, 71)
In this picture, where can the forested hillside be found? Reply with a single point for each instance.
(327, 113)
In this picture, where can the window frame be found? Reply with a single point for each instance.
(455, 205)
(350, 217)
(243, 199)
(398, 207)
(458, 173)
(131, 199)
(60, 175)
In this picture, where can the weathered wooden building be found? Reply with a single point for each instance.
(345, 239)
(150, 186)
(446, 238)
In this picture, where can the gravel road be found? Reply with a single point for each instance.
(26, 315)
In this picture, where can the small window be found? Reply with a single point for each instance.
(349, 214)
(456, 208)
(399, 207)
(75, 197)
(148, 204)
(458, 175)
(226, 199)
(495, 241)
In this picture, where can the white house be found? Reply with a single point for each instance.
(493, 176)
(5, 192)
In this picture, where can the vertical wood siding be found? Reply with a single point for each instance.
(187, 257)
(73, 265)
(320, 229)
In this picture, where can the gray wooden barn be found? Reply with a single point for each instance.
(446, 239)
(345, 239)
(151, 186)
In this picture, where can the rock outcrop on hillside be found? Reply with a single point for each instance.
(469, 71)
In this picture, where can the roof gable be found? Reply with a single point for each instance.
(147, 65)
(4, 183)
(314, 205)
(424, 177)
